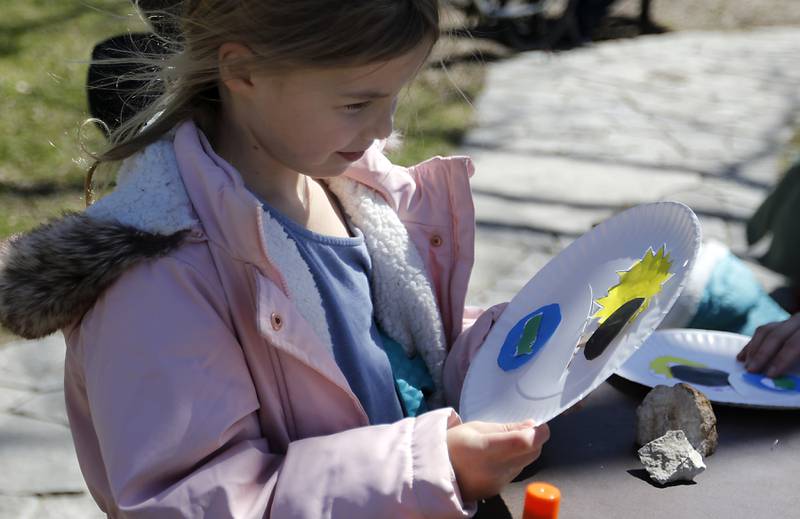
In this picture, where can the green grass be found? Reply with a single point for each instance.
(44, 47)
(436, 111)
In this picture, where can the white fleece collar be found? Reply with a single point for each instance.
(150, 196)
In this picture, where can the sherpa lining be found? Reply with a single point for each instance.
(300, 282)
(51, 276)
(405, 306)
(149, 194)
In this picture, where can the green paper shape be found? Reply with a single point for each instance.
(784, 383)
(529, 335)
(660, 365)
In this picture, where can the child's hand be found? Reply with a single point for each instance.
(487, 456)
(773, 348)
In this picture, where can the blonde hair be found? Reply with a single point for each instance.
(281, 34)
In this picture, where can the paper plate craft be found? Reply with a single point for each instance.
(707, 360)
(582, 315)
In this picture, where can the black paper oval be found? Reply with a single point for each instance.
(610, 328)
(702, 376)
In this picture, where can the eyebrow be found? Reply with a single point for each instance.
(365, 95)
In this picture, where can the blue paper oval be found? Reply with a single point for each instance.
(784, 384)
(513, 353)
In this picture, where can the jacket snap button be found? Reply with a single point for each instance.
(277, 321)
(436, 240)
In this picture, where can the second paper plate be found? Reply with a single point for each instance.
(707, 360)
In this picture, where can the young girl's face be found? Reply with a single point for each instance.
(317, 121)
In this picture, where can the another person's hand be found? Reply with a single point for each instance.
(774, 348)
(487, 456)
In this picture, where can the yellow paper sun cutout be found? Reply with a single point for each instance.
(644, 279)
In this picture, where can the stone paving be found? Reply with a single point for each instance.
(562, 142)
(565, 140)
(40, 476)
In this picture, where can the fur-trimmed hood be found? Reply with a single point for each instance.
(52, 275)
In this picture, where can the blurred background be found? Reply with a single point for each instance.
(480, 95)
(45, 46)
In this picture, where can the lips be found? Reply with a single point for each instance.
(351, 156)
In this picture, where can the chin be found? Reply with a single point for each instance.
(330, 170)
(329, 173)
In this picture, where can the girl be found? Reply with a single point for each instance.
(254, 313)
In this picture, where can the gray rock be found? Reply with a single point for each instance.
(679, 408)
(671, 458)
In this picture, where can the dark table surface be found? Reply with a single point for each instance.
(591, 457)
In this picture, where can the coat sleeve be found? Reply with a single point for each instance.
(476, 326)
(173, 409)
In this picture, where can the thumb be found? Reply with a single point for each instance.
(494, 427)
(513, 442)
(519, 426)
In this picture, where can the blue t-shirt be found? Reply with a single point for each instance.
(341, 268)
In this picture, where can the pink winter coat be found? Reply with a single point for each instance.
(199, 377)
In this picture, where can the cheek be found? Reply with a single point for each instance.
(335, 132)
(305, 133)
(315, 143)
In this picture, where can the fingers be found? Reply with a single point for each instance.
(520, 426)
(768, 341)
(486, 456)
(491, 427)
(755, 341)
(786, 357)
(519, 442)
(543, 432)
(527, 456)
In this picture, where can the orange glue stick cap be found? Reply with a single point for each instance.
(541, 501)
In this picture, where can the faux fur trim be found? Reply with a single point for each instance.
(405, 306)
(51, 276)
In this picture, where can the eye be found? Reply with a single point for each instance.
(356, 107)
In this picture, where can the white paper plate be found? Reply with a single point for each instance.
(668, 356)
(556, 377)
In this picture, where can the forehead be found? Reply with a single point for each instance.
(384, 77)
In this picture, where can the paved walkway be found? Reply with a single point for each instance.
(564, 141)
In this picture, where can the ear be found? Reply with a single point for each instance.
(232, 74)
